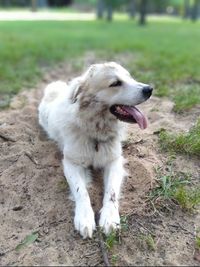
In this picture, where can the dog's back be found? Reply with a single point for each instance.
(52, 93)
(54, 90)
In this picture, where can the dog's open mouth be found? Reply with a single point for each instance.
(129, 114)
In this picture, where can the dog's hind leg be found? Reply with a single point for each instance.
(84, 216)
(113, 176)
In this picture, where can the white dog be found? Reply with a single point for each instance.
(84, 117)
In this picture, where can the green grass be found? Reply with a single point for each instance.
(111, 240)
(114, 259)
(175, 187)
(148, 241)
(186, 97)
(29, 239)
(167, 185)
(62, 186)
(197, 242)
(197, 238)
(165, 53)
(188, 199)
(187, 143)
(115, 236)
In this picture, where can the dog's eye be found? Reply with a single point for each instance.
(116, 83)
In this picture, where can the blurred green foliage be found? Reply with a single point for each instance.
(165, 53)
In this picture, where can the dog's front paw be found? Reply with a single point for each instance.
(84, 221)
(109, 219)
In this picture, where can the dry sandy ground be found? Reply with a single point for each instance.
(35, 197)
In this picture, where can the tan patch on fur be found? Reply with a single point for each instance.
(97, 126)
(103, 111)
(86, 101)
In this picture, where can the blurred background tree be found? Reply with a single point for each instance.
(108, 6)
(6, 2)
(33, 5)
(131, 8)
(143, 10)
(186, 9)
(100, 8)
(105, 8)
(60, 2)
(195, 10)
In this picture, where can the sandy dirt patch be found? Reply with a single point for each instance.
(34, 196)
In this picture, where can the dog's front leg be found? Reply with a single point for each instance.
(84, 216)
(113, 176)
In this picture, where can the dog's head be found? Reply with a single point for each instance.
(112, 85)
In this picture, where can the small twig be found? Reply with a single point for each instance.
(90, 254)
(151, 160)
(102, 243)
(31, 158)
(7, 138)
(155, 211)
(182, 228)
(103, 247)
(149, 231)
(59, 221)
(140, 141)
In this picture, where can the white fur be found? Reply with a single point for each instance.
(77, 116)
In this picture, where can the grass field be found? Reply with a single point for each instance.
(164, 53)
(187, 143)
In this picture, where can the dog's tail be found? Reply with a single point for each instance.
(53, 90)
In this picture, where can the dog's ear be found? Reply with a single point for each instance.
(76, 93)
(76, 86)
(89, 73)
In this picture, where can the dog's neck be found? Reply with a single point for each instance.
(97, 121)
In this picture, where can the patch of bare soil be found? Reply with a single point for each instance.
(34, 196)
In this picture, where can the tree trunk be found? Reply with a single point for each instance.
(42, 3)
(33, 5)
(8, 3)
(143, 7)
(194, 14)
(186, 9)
(132, 8)
(100, 9)
(109, 12)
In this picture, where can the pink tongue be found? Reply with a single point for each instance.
(137, 115)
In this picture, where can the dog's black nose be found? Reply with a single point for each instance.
(147, 91)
